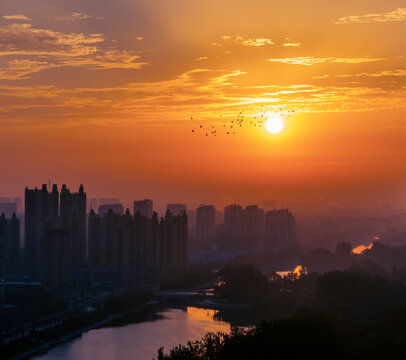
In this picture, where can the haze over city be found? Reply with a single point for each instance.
(201, 179)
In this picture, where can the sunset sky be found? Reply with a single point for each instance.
(103, 93)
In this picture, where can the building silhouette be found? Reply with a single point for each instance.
(253, 227)
(11, 246)
(176, 209)
(205, 225)
(73, 211)
(147, 252)
(174, 241)
(144, 207)
(130, 243)
(40, 207)
(1, 269)
(280, 229)
(56, 257)
(233, 224)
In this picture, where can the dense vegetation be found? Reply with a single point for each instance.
(338, 315)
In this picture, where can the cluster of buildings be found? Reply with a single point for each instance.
(250, 228)
(64, 245)
(67, 242)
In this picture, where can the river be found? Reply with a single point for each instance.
(139, 341)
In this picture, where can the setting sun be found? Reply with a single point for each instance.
(274, 124)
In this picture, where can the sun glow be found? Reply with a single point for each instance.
(275, 123)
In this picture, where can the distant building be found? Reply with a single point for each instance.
(40, 206)
(176, 209)
(253, 227)
(56, 267)
(106, 201)
(144, 208)
(11, 246)
(280, 229)
(243, 228)
(191, 218)
(116, 208)
(8, 209)
(233, 223)
(73, 211)
(205, 225)
(174, 241)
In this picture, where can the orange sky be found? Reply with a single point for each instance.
(104, 94)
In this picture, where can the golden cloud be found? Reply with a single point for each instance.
(309, 61)
(46, 49)
(247, 41)
(390, 16)
(75, 16)
(16, 17)
(19, 69)
(23, 39)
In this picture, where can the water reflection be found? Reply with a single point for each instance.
(360, 249)
(297, 272)
(140, 341)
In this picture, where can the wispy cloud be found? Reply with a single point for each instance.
(44, 49)
(289, 43)
(19, 69)
(247, 41)
(395, 73)
(74, 16)
(16, 17)
(309, 61)
(390, 16)
(23, 39)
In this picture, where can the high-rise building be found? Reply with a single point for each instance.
(11, 245)
(176, 209)
(73, 211)
(280, 229)
(144, 207)
(174, 241)
(253, 227)
(116, 208)
(56, 266)
(233, 223)
(126, 242)
(243, 228)
(205, 225)
(1, 269)
(147, 252)
(40, 206)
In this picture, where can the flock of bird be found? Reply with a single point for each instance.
(238, 123)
